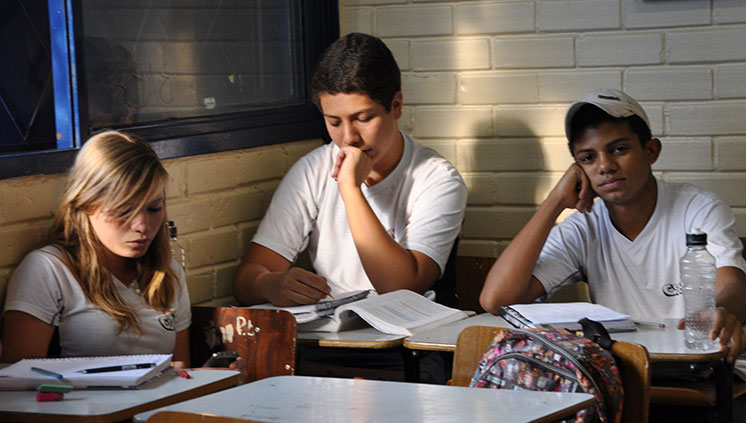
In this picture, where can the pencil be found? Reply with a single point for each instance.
(653, 324)
(46, 372)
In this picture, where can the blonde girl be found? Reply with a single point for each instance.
(106, 280)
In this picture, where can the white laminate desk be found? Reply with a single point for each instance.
(113, 405)
(316, 399)
(663, 344)
(444, 338)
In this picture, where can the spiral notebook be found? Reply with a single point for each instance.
(105, 372)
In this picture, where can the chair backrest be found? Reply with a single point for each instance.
(265, 339)
(445, 287)
(182, 417)
(632, 359)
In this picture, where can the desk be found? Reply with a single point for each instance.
(444, 338)
(365, 337)
(314, 399)
(663, 344)
(113, 405)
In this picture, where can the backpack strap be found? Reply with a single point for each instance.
(596, 332)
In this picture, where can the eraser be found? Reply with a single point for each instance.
(50, 387)
(49, 396)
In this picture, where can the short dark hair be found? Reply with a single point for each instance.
(357, 63)
(590, 117)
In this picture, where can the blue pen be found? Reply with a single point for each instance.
(46, 373)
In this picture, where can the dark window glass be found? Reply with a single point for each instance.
(26, 103)
(146, 61)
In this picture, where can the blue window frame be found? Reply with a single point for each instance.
(245, 117)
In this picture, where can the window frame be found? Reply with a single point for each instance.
(177, 137)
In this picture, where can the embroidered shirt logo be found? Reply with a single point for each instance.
(168, 322)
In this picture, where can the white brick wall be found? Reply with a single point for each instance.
(729, 11)
(706, 45)
(577, 15)
(489, 85)
(417, 21)
(532, 52)
(730, 81)
(450, 54)
(490, 88)
(619, 49)
(495, 18)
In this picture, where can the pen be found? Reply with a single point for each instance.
(645, 323)
(119, 368)
(46, 372)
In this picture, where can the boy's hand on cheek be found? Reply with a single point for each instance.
(574, 190)
(351, 167)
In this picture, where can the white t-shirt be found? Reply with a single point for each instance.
(43, 287)
(639, 277)
(420, 203)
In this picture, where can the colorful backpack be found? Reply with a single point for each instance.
(547, 359)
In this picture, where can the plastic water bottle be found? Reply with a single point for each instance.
(177, 251)
(698, 273)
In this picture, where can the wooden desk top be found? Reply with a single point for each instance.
(316, 399)
(663, 344)
(365, 337)
(113, 405)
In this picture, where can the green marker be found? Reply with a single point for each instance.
(58, 389)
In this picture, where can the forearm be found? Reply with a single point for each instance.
(509, 279)
(249, 285)
(387, 264)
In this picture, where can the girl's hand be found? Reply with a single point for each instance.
(240, 365)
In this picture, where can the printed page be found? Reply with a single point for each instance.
(567, 312)
(402, 312)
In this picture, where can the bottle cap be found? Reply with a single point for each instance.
(172, 229)
(696, 237)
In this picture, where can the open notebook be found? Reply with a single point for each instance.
(116, 372)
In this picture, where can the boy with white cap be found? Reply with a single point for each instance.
(627, 246)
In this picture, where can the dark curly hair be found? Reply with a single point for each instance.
(357, 63)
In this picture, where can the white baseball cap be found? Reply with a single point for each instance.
(613, 102)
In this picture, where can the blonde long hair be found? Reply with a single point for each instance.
(119, 174)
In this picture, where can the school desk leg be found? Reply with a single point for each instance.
(723, 374)
(411, 365)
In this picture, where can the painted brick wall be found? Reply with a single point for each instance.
(487, 83)
(216, 201)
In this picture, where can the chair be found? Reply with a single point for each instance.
(632, 360)
(182, 417)
(265, 339)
